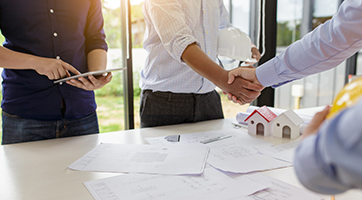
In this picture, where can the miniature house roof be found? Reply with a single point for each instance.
(265, 112)
(293, 117)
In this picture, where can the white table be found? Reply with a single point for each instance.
(38, 170)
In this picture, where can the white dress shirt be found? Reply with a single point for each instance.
(331, 161)
(171, 26)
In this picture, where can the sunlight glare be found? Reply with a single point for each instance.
(113, 4)
(136, 2)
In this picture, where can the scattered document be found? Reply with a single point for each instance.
(212, 185)
(237, 153)
(277, 190)
(172, 160)
(283, 151)
(228, 137)
(242, 159)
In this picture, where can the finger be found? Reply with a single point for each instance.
(93, 80)
(70, 68)
(231, 78)
(320, 116)
(76, 83)
(234, 99)
(229, 97)
(67, 74)
(109, 77)
(250, 65)
(252, 86)
(240, 103)
(316, 122)
(61, 73)
(106, 79)
(86, 82)
(51, 76)
(248, 96)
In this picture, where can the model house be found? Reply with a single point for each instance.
(287, 125)
(263, 121)
(259, 121)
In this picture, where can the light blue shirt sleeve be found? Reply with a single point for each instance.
(322, 49)
(331, 161)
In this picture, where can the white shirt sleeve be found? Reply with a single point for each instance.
(169, 22)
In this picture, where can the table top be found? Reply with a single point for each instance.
(39, 170)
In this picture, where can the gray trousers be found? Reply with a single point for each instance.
(167, 108)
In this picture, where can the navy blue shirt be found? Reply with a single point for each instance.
(68, 29)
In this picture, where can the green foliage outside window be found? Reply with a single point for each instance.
(287, 35)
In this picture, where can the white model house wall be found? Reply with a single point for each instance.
(258, 123)
(286, 123)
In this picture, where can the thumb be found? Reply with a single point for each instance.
(231, 78)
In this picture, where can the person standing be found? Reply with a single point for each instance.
(45, 41)
(328, 159)
(181, 70)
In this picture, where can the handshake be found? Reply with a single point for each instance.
(242, 86)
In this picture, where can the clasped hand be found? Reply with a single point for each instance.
(249, 86)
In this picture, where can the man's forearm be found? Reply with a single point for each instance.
(15, 60)
(195, 58)
(97, 60)
(244, 90)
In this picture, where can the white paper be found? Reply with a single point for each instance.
(212, 185)
(237, 136)
(283, 151)
(144, 159)
(242, 159)
(278, 190)
(236, 154)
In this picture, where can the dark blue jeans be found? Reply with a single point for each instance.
(16, 129)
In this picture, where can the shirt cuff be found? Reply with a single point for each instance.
(180, 46)
(267, 75)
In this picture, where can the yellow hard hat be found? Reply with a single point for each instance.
(348, 96)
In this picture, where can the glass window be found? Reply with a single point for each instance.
(319, 89)
(110, 98)
(227, 4)
(324, 8)
(240, 15)
(359, 63)
(323, 86)
(323, 11)
(289, 18)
